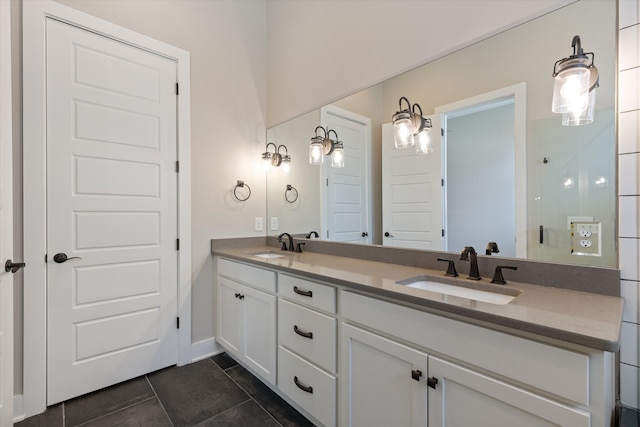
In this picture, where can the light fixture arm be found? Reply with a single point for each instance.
(275, 149)
(577, 46)
(286, 151)
(323, 130)
(400, 104)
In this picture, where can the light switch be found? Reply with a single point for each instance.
(259, 224)
(274, 223)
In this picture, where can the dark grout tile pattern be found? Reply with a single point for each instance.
(212, 392)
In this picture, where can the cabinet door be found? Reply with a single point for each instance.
(463, 397)
(259, 327)
(229, 315)
(377, 384)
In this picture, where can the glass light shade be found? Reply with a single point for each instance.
(584, 117)
(403, 129)
(337, 158)
(266, 161)
(316, 151)
(286, 165)
(571, 87)
(423, 141)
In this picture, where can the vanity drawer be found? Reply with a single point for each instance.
(306, 292)
(247, 274)
(310, 334)
(311, 388)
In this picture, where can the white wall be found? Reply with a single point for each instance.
(323, 50)
(228, 112)
(629, 196)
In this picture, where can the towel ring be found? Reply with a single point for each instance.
(241, 184)
(291, 198)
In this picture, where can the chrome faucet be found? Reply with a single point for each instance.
(469, 254)
(284, 244)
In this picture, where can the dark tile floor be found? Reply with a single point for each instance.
(213, 392)
(629, 417)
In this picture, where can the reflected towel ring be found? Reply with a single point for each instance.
(241, 184)
(291, 198)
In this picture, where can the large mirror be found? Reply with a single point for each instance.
(538, 189)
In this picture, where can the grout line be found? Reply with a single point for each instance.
(159, 400)
(64, 415)
(248, 394)
(113, 412)
(226, 410)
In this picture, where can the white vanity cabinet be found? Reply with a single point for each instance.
(246, 315)
(477, 376)
(464, 397)
(307, 345)
(383, 382)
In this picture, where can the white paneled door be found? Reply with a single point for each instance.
(346, 215)
(111, 211)
(412, 193)
(6, 224)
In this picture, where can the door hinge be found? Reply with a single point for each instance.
(327, 234)
(177, 244)
(177, 166)
(177, 323)
(441, 131)
(45, 258)
(177, 89)
(443, 232)
(442, 182)
(327, 182)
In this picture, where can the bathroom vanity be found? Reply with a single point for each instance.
(342, 341)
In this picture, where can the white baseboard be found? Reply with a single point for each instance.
(18, 408)
(205, 348)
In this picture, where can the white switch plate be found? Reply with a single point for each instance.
(259, 223)
(274, 223)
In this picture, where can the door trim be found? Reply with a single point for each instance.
(35, 14)
(518, 92)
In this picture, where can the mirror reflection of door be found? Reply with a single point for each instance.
(472, 189)
(346, 192)
(411, 200)
(479, 188)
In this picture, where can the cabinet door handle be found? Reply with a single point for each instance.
(301, 333)
(416, 374)
(241, 296)
(302, 387)
(431, 382)
(237, 295)
(303, 293)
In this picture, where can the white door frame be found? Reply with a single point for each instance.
(518, 92)
(6, 220)
(35, 14)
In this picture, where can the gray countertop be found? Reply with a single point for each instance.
(582, 318)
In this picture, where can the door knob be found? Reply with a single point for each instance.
(62, 257)
(365, 234)
(387, 234)
(13, 267)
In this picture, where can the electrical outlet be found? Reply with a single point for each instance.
(274, 223)
(586, 238)
(259, 226)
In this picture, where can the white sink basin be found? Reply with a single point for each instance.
(268, 254)
(477, 292)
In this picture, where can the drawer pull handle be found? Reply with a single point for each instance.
(432, 382)
(308, 389)
(416, 374)
(303, 293)
(301, 333)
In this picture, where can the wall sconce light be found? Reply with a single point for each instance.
(575, 81)
(321, 146)
(276, 159)
(423, 139)
(407, 124)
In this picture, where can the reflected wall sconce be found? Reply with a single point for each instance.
(276, 159)
(323, 145)
(574, 89)
(411, 128)
(423, 139)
